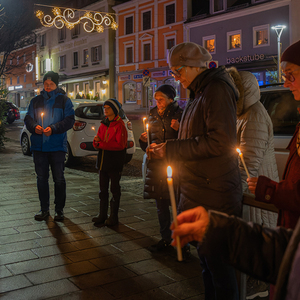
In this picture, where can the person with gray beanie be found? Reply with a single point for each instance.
(205, 152)
(111, 143)
(164, 121)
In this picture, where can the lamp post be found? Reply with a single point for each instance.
(278, 29)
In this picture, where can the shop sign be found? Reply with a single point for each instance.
(18, 87)
(138, 76)
(246, 58)
(159, 74)
(11, 88)
(124, 77)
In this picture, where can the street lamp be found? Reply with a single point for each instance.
(278, 29)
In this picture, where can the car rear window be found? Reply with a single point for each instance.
(282, 109)
(93, 112)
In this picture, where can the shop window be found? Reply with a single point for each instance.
(209, 44)
(129, 25)
(234, 40)
(261, 36)
(147, 20)
(129, 92)
(170, 13)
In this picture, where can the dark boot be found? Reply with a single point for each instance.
(114, 209)
(102, 216)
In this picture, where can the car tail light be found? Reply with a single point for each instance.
(130, 144)
(78, 125)
(83, 146)
(129, 125)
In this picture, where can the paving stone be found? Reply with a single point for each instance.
(13, 283)
(17, 257)
(4, 272)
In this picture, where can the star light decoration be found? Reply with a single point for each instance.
(91, 20)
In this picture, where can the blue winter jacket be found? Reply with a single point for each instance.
(58, 114)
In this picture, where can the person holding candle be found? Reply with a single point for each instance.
(255, 141)
(204, 155)
(163, 123)
(111, 141)
(54, 110)
(271, 255)
(285, 195)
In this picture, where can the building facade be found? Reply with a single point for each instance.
(20, 75)
(240, 34)
(83, 58)
(147, 30)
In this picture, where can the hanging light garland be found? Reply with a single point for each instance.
(91, 20)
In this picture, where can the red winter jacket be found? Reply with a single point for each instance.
(112, 145)
(285, 195)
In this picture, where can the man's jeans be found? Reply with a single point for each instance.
(42, 161)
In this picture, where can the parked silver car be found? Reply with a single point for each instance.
(282, 109)
(88, 115)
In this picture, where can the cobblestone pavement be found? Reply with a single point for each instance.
(76, 260)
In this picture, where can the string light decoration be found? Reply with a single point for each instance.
(91, 20)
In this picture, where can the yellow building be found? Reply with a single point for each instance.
(147, 30)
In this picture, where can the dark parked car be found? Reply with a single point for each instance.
(12, 112)
(283, 111)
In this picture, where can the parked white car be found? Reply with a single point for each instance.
(88, 115)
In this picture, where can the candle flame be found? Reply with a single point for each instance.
(144, 119)
(169, 171)
(238, 150)
(93, 128)
(147, 126)
(42, 114)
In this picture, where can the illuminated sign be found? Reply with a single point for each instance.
(246, 58)
(18, 87)
(11, 88)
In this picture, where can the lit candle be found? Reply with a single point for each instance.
(243, 161)
(174, 209)
(148, 135)
(42, 115)
(144, 120)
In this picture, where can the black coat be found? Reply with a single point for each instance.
(160, 131)
(205, 151)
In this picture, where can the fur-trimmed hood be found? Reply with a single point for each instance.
(248, 88)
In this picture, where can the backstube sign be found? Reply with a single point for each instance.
(245, 58)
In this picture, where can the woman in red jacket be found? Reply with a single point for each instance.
(111, 141)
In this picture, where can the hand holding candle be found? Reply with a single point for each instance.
(174, 210)
(243, 161)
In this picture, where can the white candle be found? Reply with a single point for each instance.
(148, 135)
(144, 120)
(174, 210)
(243, 161)
(42, 115)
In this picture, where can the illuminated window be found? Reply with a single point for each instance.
(129, 92)
(261, 36)
(234, 40)
(209, 43)
(85, 56)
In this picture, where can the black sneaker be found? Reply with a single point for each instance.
(59, 216)
(161, 245)
(42, 215)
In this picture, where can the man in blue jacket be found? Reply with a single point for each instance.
(50, 115)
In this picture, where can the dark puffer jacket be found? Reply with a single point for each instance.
(205, 151)
(160, 130)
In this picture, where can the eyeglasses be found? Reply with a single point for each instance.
(176, 72)
(289, 75)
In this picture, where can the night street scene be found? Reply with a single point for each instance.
(149, 149)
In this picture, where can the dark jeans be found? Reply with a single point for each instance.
(115, 188)
(42, 161)
(164, 218)
(219, 279)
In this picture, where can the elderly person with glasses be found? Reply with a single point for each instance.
(205, 152)
(285, 195)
